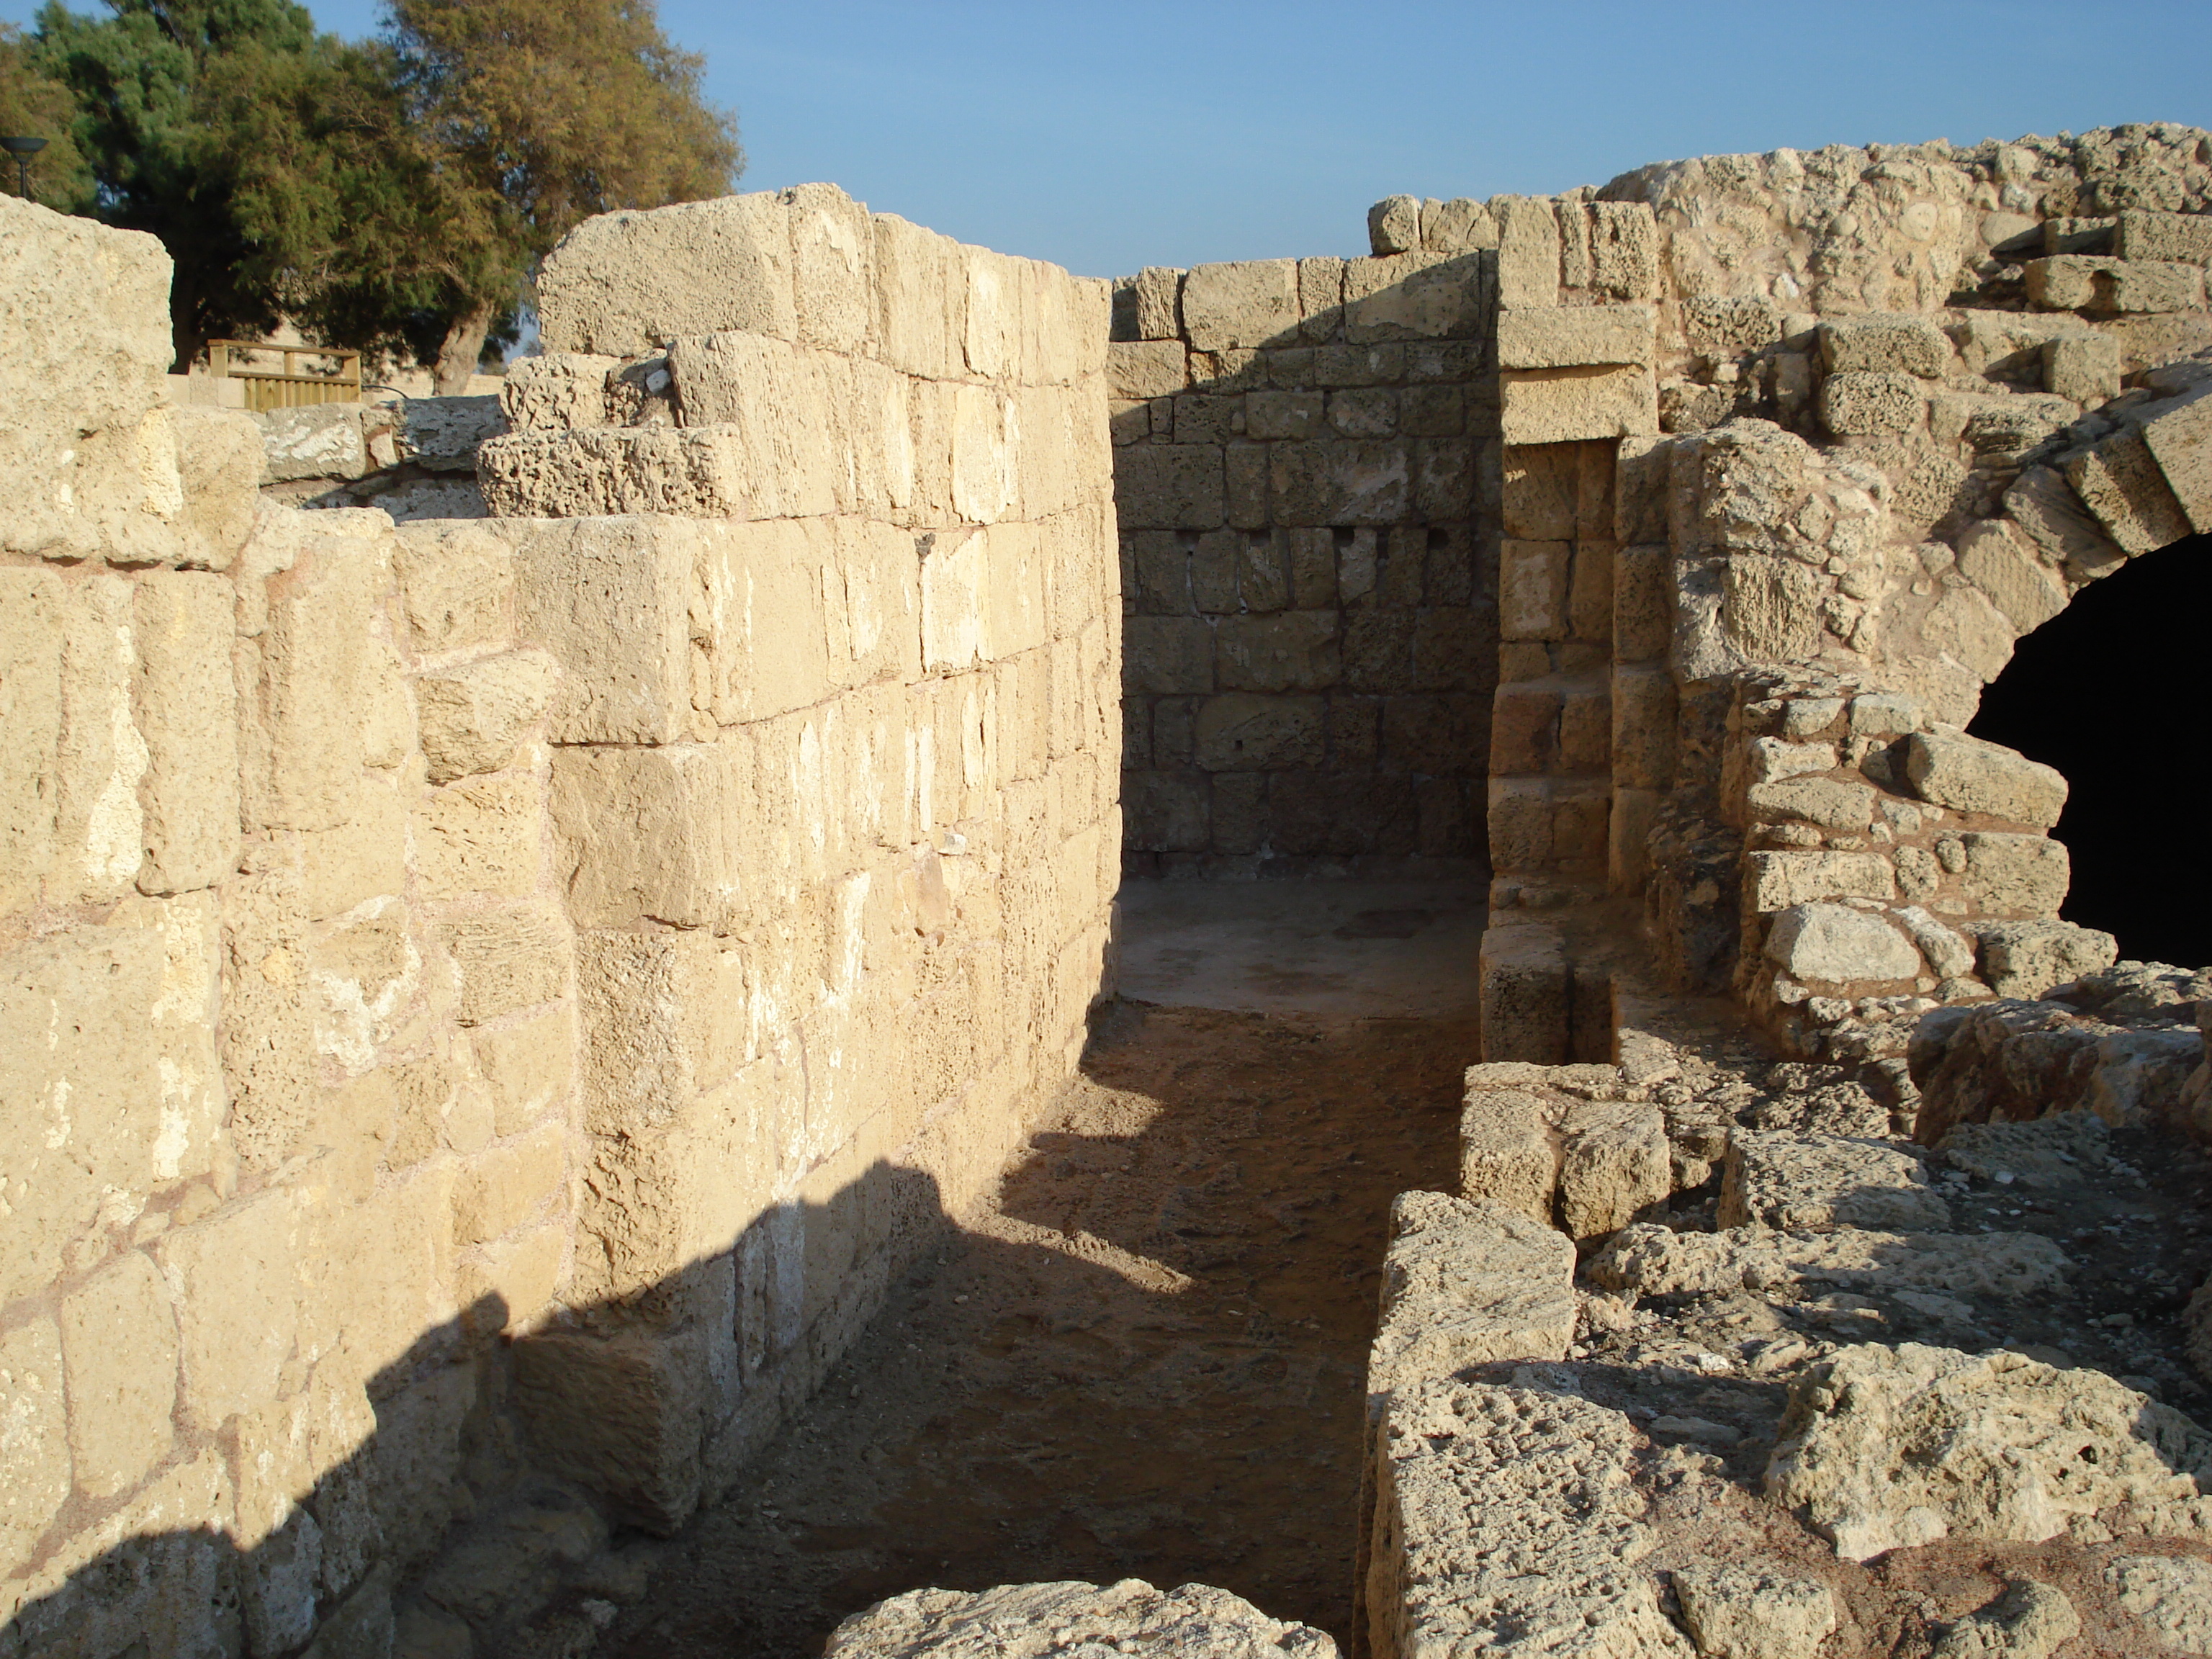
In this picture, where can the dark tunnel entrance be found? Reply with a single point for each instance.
(2116, 692)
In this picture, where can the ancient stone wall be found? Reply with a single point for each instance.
(1305, 472)
(485, 1007)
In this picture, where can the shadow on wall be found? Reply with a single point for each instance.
(2112, 691)
(1306, 477)
(478, 1489)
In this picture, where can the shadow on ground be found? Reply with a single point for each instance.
(1145, 1361)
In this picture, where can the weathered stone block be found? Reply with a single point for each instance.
(1777, 881)
(1997, 555)
(1571, 337)
(2121, 482)
(1147, 369)
(1340, 482)
(1394, 225)
(2180, 441)
(2184, 237)
(1288, 651)
(625, 283)
(1169, 487)
(1468, 1283)
(1568, 405)
(187, 707)
(1167, 655)
(1865, 401)
(1245, 732)
(610, 600)
(622, 1415)
(473, 716)
(508, 960)
(235, 1277)
(1412, 296)
(1533, 589)
(35, 1452)
(2084, 283)
(1835, 945)
(456, 585)
(1251, 302)
(1614, 1163)
(1952, 769)
(658, 833)
(2016, 875)
(1506, 1157)
(1831, 803)
(2027, 958)
(1883, 341)
(1526, 990)
(1624, 250)
(2083, 368)
(1528, 251)
(1817, 1183)
(120, 1337)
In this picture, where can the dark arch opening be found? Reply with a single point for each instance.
(2116, 692)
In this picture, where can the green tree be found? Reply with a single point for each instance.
(34, 105)
(145, 79)
(530, 116)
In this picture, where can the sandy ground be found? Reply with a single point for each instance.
(1144, 1360)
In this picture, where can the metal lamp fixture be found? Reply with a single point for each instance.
(22, 150)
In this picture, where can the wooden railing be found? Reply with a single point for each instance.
(289, 387)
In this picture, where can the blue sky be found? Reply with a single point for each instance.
(1107, 136)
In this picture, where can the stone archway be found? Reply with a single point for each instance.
(2105, 692)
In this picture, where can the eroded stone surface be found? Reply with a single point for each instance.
(1035, 1621)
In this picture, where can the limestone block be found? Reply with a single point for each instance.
(1652, 1260)
(611, 600)
(1642, 707)
(920, 299)
(2169, 1594)
(702, 472)
(235, 1281)
(1394, 225)
(2120, 481)
(120, 1338)
(73, 283)
(2183, 237)
(1904, 342)
(2180, 441)
(506, 1185)
(2026, 958)
(482, 835)
(317, 441)
(1528, 251)
(509, 959)
(1831, 803)
(1071, 1617)
(1340, 482)
(1571, 336)
(1952, 769)
(455, 584)
(1835, 945)
(622, 1415)
(82, 1099)
(219, 460)
(89, 779)
(556, 391)
(1147, 369)
(787, 407)
(1778, 881)
(1169, 487)
(187, 711)
(1506, 1157)
(1545, 1547)
(1288, 651)
(1643, 603)
(1168, 655)
(473, 716)
(2044, 505)
(1467, 1284)
(2083, 368)
(1614, 1163)
(1459, 226)
(1865, 401)
(1816, 1183)
(659, 833)
(1883, 1447)
(624, 283)
(2075, 281)
(34, 1442)
(33, 606)
(529, 1066)
(1624, 250)
(1526, 990)
(1532, 583)
(1998, 558)
(1251, 302)
(318, 677)
(1245, 733)
(1734, 1612)
(2016, 875)
(1571, 406)
(832, 268)
(1320, 297)
(1412, 296)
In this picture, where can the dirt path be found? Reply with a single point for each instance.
(1145, 1361)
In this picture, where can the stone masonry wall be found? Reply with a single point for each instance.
(1305, 471)
(486, 1006)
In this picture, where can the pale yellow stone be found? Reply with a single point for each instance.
(529, 1066)
(480, 835)
(508, 1184)
(120, 1340)
(235, 1281)
(35, 1443)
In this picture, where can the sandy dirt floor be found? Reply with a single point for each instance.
(1144, 1360)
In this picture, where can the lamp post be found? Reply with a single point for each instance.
(22, 150)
